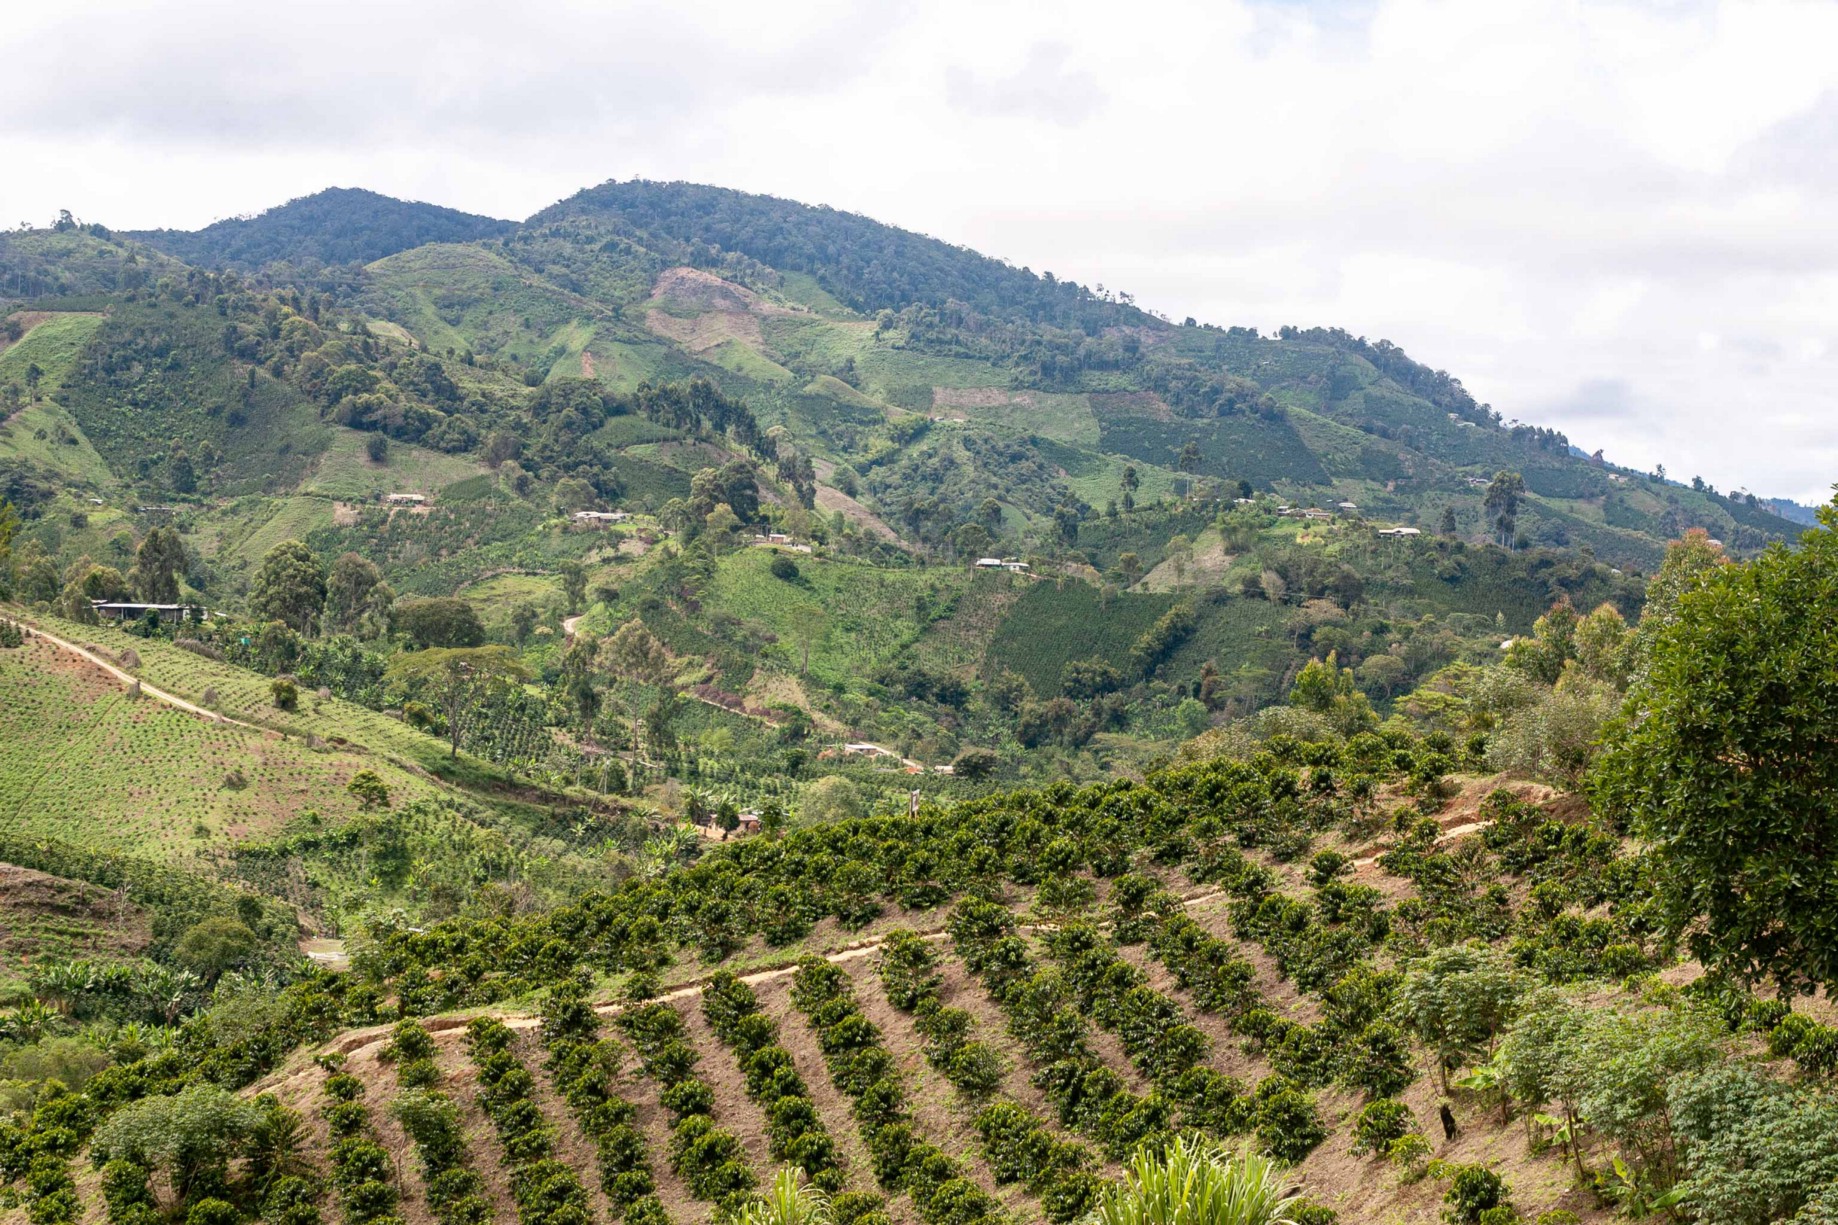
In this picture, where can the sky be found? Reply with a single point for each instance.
(1620, 220)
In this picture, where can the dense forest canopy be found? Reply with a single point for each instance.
(340, 225)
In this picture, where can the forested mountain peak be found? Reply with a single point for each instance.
(340, 225)
(864, 263)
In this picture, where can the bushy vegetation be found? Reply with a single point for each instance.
(1018, 1145)
(582, 1066)
(707, 1157)
(432, 1120)
(864, 1070)
(794, 1129)
(547, 1190)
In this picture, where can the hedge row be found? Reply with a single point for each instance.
(794, 1128)
(40, 1152)
(1019, 1146)
(582, 1066)
(361, 1169)
(910, 981)
(852, 869)
(431, 1118)
(1158, 1040)
(705, 1156)
(1356, 1046)
(546, 1190)
(1090, 1097)
(862, 1068)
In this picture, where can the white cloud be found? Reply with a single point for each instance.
(1555, 200)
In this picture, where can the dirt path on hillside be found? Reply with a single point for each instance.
(587, 365)
(158, 695)
(363, 1040)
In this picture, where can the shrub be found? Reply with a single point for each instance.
(1473, 1191)
(1379, 1124)
(212, 1212)
(286, 694)
(547, 1191)
(1410, 1153)
(368, 788)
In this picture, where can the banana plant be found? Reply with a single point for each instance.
(1633, 1190)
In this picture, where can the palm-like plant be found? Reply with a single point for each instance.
(1194, 1182)
(29, 1022)
(61, 984)
(167, 994)
(791, 1201)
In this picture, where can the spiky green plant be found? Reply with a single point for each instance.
(791, 1201)
(1191, 1181)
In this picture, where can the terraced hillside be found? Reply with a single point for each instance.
(132, 759)
(978, 1013)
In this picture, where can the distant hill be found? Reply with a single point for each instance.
(1797, 512)
(933, 381)
(341, 225)
(865, 264)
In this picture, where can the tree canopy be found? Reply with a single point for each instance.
(1724, 760)
(289, 587)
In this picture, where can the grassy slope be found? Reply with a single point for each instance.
(52, 345)
(245, 695)
(862, 616)
(43, 433)
(345, 471)
(138, 776)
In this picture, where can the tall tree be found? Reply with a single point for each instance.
(639, 661)
(1502, 504)
(85, 582)
(181, 474)
(459, 680)
(444, 622)
(1724, 762)
(289, 587)
(574, 584)
(357, 599)
(579, 680)
(157, 565)
(9, 528)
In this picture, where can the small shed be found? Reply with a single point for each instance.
(169, 614)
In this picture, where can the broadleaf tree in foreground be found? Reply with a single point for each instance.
(1726, 761)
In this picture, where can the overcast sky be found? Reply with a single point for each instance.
(1620, 220)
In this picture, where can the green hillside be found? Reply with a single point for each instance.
(340, 225)
(695, 690)
(899, 406)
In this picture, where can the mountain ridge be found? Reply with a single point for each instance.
(336, 225)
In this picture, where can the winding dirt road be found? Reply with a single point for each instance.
(129, 679)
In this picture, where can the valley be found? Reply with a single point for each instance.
(732, 693)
